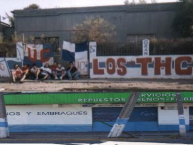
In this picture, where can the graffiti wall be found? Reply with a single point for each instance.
(29, 54)
(171, 66)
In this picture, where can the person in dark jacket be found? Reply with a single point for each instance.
(72, 72)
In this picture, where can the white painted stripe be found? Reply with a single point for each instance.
(182, 129)
(182, 126)
(4, 132)
(3, 120)
(7, 131)
(116, 130)
(181, 116)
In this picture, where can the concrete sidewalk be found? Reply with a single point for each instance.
(85, 79)
(86, 84)
(98, 137)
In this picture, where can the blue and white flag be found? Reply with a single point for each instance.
(77, 53)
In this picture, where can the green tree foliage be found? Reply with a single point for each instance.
(32, 7)
(94, 29)
(183, 23)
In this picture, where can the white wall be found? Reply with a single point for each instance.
(170, 117)
(35, 114)
(73, 114)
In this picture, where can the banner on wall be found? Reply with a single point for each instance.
(20, 48)
(4, 71)
(7, 63)
(145, 47)
(170, 66)
(39, 54)
(77, 53)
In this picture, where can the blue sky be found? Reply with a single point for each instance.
(10, 5)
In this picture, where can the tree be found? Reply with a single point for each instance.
(133, 2)
(11, 20)
(183, 22)
(142, 1)
(94, 29)
(126, 2)
(153, 1)
(32, 7)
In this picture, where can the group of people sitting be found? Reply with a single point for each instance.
(55, 71)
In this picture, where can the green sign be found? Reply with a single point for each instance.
(165, 97)
(96, 98)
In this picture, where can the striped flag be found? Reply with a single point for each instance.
(73, 52)
(77, 53)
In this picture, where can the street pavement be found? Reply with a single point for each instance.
(141, 138)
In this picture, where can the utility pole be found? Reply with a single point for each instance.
(123, 118)
(182, 125)
(4, 132)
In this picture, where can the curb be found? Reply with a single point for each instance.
(90, 139)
